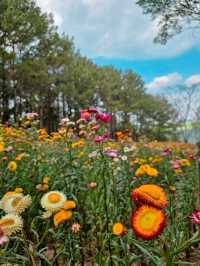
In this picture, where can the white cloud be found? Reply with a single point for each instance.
(193, 80)
(113, 28)
(48, 6)
(165, 81)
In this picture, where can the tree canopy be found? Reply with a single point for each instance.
(172, 16)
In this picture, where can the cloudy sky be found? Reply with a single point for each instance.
(115, 32)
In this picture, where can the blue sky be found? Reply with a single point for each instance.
(187, 64)
(115, 32)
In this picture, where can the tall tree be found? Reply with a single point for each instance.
(21, 25)
(172, 15)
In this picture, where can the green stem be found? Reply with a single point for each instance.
(106, 210)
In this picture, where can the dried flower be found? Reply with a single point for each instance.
(10, 224)
(53, 201)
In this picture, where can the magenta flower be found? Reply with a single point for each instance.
(98, 139)
(104, 117)
(101, 138)
(195, 217)
(92, 110)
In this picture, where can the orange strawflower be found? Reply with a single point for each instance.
(118, 229)
(150, 194)
(69, 205)
(20, 157)
(62, 216)
(148, 222)
(2, 146)
(119, 135)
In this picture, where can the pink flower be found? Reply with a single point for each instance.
(75, 228)
(101, 138)
(175, 164)
(98, 139)
(112, 153)
(31, 116)
(3, 238)
(9, 149)
(192, 157)
(195, 217)
(95, 127)
(166, 152)
(64, 121)
(104, 117)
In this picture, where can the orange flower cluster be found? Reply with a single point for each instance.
(42, 134)
(148, 220)
(54, 202)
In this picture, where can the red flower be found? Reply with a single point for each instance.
(85, 114)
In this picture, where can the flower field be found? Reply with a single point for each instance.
(80, 197)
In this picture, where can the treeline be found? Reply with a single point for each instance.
(41, 71)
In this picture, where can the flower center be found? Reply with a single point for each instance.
(54, 197)
(147, 221)
(15, 201)
(6, 222)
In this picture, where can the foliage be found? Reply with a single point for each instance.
(172, 16)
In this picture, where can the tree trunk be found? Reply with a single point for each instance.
(5, 96)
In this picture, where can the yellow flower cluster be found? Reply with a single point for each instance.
(185, 162)
(78, 144)
(146, 169)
